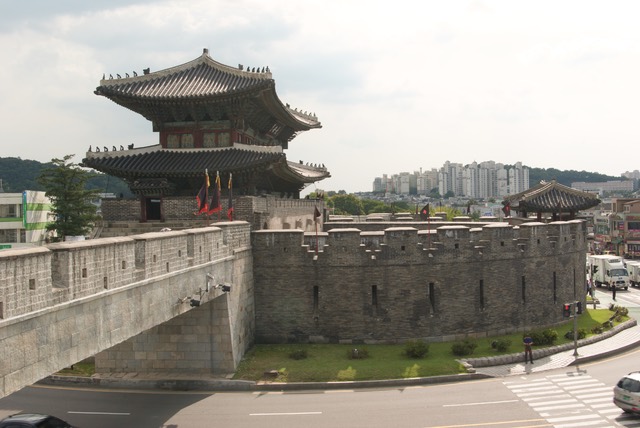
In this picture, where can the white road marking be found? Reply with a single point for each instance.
(285, 414)
(483, 403)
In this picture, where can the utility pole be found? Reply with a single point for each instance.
(575, 329)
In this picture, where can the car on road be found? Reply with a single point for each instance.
(31, 420)
(626, 393)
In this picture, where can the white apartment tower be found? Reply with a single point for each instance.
(518, 179)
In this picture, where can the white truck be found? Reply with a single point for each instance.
(610, 271)
(634, 273)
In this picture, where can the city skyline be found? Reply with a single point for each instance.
(421, 181)
(488, 179)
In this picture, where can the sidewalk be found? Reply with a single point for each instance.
(618, 343)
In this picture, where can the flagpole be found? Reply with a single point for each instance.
(207, 221)
(428, 230)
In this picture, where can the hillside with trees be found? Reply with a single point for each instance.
(566, 177)
(18, 175)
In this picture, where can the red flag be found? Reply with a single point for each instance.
(201, 197)
(230, 208)
(216, 204)
(507, 209)
(424, 213)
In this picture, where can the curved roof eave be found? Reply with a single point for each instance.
(293, 172)
(204, 80)
(153, 160)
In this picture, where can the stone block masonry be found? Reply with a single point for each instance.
(128, 296)
(452, 282)
(125, 299)
(262, 212)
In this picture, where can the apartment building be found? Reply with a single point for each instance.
(23, 218)
(482, 180)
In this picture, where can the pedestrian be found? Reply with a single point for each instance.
(613, 292)
(528, 354)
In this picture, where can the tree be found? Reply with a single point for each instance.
(450, 211)
(65, 183)
(346, 204)
(374, 206)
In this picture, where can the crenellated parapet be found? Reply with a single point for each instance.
(401, 282)
(32, 279)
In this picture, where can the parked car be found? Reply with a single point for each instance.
(626, 394)
(30, 420)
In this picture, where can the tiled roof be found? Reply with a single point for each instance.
(202, 82)
(155, 161)
(201, 77)
(551, 197)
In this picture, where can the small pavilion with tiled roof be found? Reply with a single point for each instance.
(550, 197)
(209, 116)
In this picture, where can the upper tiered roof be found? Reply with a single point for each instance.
(206, 90)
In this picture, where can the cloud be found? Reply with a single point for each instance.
(398, 86)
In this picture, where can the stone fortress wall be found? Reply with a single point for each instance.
(68, 301)
(402, 283)
(125, 300)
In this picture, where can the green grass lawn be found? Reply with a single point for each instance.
(326, 363)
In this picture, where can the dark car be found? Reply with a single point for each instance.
(30, 420)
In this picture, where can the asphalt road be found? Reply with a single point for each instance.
(576, 396)
(572, 397)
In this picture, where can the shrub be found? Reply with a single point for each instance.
(501, 345)
(607, 325)
(597, 329)
(357, 354)
(299, 354)
(582, 333)
(544, 337)
(416, 348)
(621, 311)
(463, 348)
(550, 336)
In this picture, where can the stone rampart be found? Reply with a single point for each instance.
(262, 212)
(402, 283)
(65, 302)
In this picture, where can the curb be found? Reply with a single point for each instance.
(246, 386)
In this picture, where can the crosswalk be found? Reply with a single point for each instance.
(572, 400)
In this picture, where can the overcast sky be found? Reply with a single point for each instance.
(398, 85)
